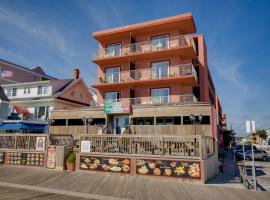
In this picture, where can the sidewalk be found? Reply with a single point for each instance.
(229, 178)
(41, 184)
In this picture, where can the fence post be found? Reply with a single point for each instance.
(29, 140)
(201, 150)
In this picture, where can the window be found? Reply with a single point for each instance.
(160, 69)
(111, 96)
(12, 92)
(205, 119)
(160, 42)
(113, 49)
(143, 121)
(43, 90)
(27, 90)
(112, 74)
(41, 112)
(160, 95)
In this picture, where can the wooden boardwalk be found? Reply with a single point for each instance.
(21, 183)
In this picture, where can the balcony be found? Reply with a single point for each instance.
(183, 46)
(158, 100)
(184, 74)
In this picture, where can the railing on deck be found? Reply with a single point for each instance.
(73, 130)
(182, 70)
(21, 141)
(143, 47)
(163, 100)
(196, 147)
(174, 130)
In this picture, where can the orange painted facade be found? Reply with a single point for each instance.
(134, 51)
(185, 53)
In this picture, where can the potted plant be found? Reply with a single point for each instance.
(71, 159)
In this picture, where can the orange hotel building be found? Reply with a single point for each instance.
(155, 64)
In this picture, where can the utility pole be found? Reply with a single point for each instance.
(254, 169)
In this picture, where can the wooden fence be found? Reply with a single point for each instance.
(197, 147)
(21, 141)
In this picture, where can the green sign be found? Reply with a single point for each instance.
(117, 107)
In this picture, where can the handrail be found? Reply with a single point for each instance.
(187, 98)
(146, 46)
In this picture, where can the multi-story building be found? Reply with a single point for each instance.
(157, 64)
(155, 94)
(34, 100)
(20, 74)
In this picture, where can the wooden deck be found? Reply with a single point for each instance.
(27, 181)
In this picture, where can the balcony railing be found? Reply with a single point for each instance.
(189, 98)
(174, 71)
(143, 47)
(196, 147)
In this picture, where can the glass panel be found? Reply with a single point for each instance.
(14, 92)
(160, 42)
(113, 50)
(160, 69)
(40, 88)
(112, 75)
(160, 95)
(41, 112)
(46, 90)
(110, 96)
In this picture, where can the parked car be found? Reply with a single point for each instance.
(239, 150)
(258, 155)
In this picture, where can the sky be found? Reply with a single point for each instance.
(57, 35)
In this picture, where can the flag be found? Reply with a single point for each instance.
(6, 74)
(22, 110)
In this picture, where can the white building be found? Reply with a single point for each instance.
(34, 100)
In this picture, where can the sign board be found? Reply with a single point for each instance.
(51, 159)
(40, 143)
(250, 126)
(85, 146)
(117, 107)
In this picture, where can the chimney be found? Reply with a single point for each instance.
(76, 73)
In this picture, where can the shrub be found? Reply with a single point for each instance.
(71, 158)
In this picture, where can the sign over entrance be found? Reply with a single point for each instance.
(117, 107)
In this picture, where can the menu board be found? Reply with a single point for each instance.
(31, 159)
(181, 169)
(121, 165)
(2, 157)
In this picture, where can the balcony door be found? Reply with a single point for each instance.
(113, 49)
(160, 69)
(160, 42)
(160, 95)
(112, 75)
(111, 97)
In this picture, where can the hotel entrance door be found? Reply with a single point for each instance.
(121, 123)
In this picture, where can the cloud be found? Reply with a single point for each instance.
(48, 34)
(104, 15)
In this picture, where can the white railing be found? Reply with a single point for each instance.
(147, 46)
(174, 71)
(188, 98)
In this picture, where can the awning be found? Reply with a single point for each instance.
(23, 126)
